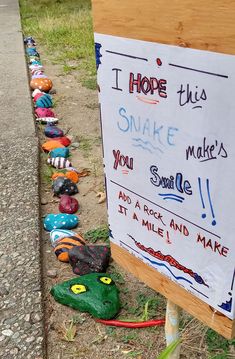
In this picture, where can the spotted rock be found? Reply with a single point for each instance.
(43, 84)
(63, 185)
(60, 221)
(44, 112)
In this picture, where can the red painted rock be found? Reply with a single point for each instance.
(63, 140)
(43, 84)
(68, 204)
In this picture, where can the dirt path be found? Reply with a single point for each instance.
(78, 108)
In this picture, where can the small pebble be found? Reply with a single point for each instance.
(52, 273)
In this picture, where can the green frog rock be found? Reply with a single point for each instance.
(95, 293)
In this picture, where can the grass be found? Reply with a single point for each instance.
(64, 29)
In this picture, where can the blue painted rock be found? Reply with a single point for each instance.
(32, 51)
(58, 234)
(68, 204)
(59, 162)
(59, 152)
(36, 62)
(44, 101)
(63, 185)
(53, 131)
(60, 221)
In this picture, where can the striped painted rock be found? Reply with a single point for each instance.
(63, 246)
(44, 101)
(47, 120)
(59, 162)
(57, 234)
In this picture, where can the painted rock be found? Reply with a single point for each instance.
(31, 51)
(53, 131)
(73, 176)
(57, 234)
(89, 259)
(68, 204)
(60, 221)
(63, 185)
(44, 101)
(33, 58)
(36, 97)
(95, 293)
(40, 75)
(36, 67)
(64, 140)
(44, 112)
(29, 39)
(47, 120)
(59, 162)
(36, 62)
(63, 246)
(51, 145)
(59, 152)
(43, 84)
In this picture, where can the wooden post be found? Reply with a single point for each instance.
(172, 327)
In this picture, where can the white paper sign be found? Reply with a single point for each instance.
(168, 123)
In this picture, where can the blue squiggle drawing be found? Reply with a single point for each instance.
(172, 196)
(163, 265)
(144, 148)
(146, 144)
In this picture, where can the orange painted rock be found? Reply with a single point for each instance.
(73, 176)
(43, 84)
(51, 145)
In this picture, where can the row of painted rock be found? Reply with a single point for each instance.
(69, 246)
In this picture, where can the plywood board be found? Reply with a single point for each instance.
(164, 100)
(206, 25)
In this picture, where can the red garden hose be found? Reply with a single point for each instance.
(119, 323)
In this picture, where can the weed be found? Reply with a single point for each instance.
(90, 83)
(134, 354)
(129, 338)
(117, 277)
(85, 144)
(69, 331)
(98, 234)
(217, 345)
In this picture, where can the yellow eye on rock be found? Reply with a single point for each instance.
(78, 288)
(106, 280)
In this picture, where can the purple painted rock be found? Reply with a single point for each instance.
(53, 131)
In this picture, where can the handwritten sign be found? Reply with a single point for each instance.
(168, 124)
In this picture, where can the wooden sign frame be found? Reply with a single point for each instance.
(187, 24)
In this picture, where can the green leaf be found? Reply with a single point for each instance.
(169, 349)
